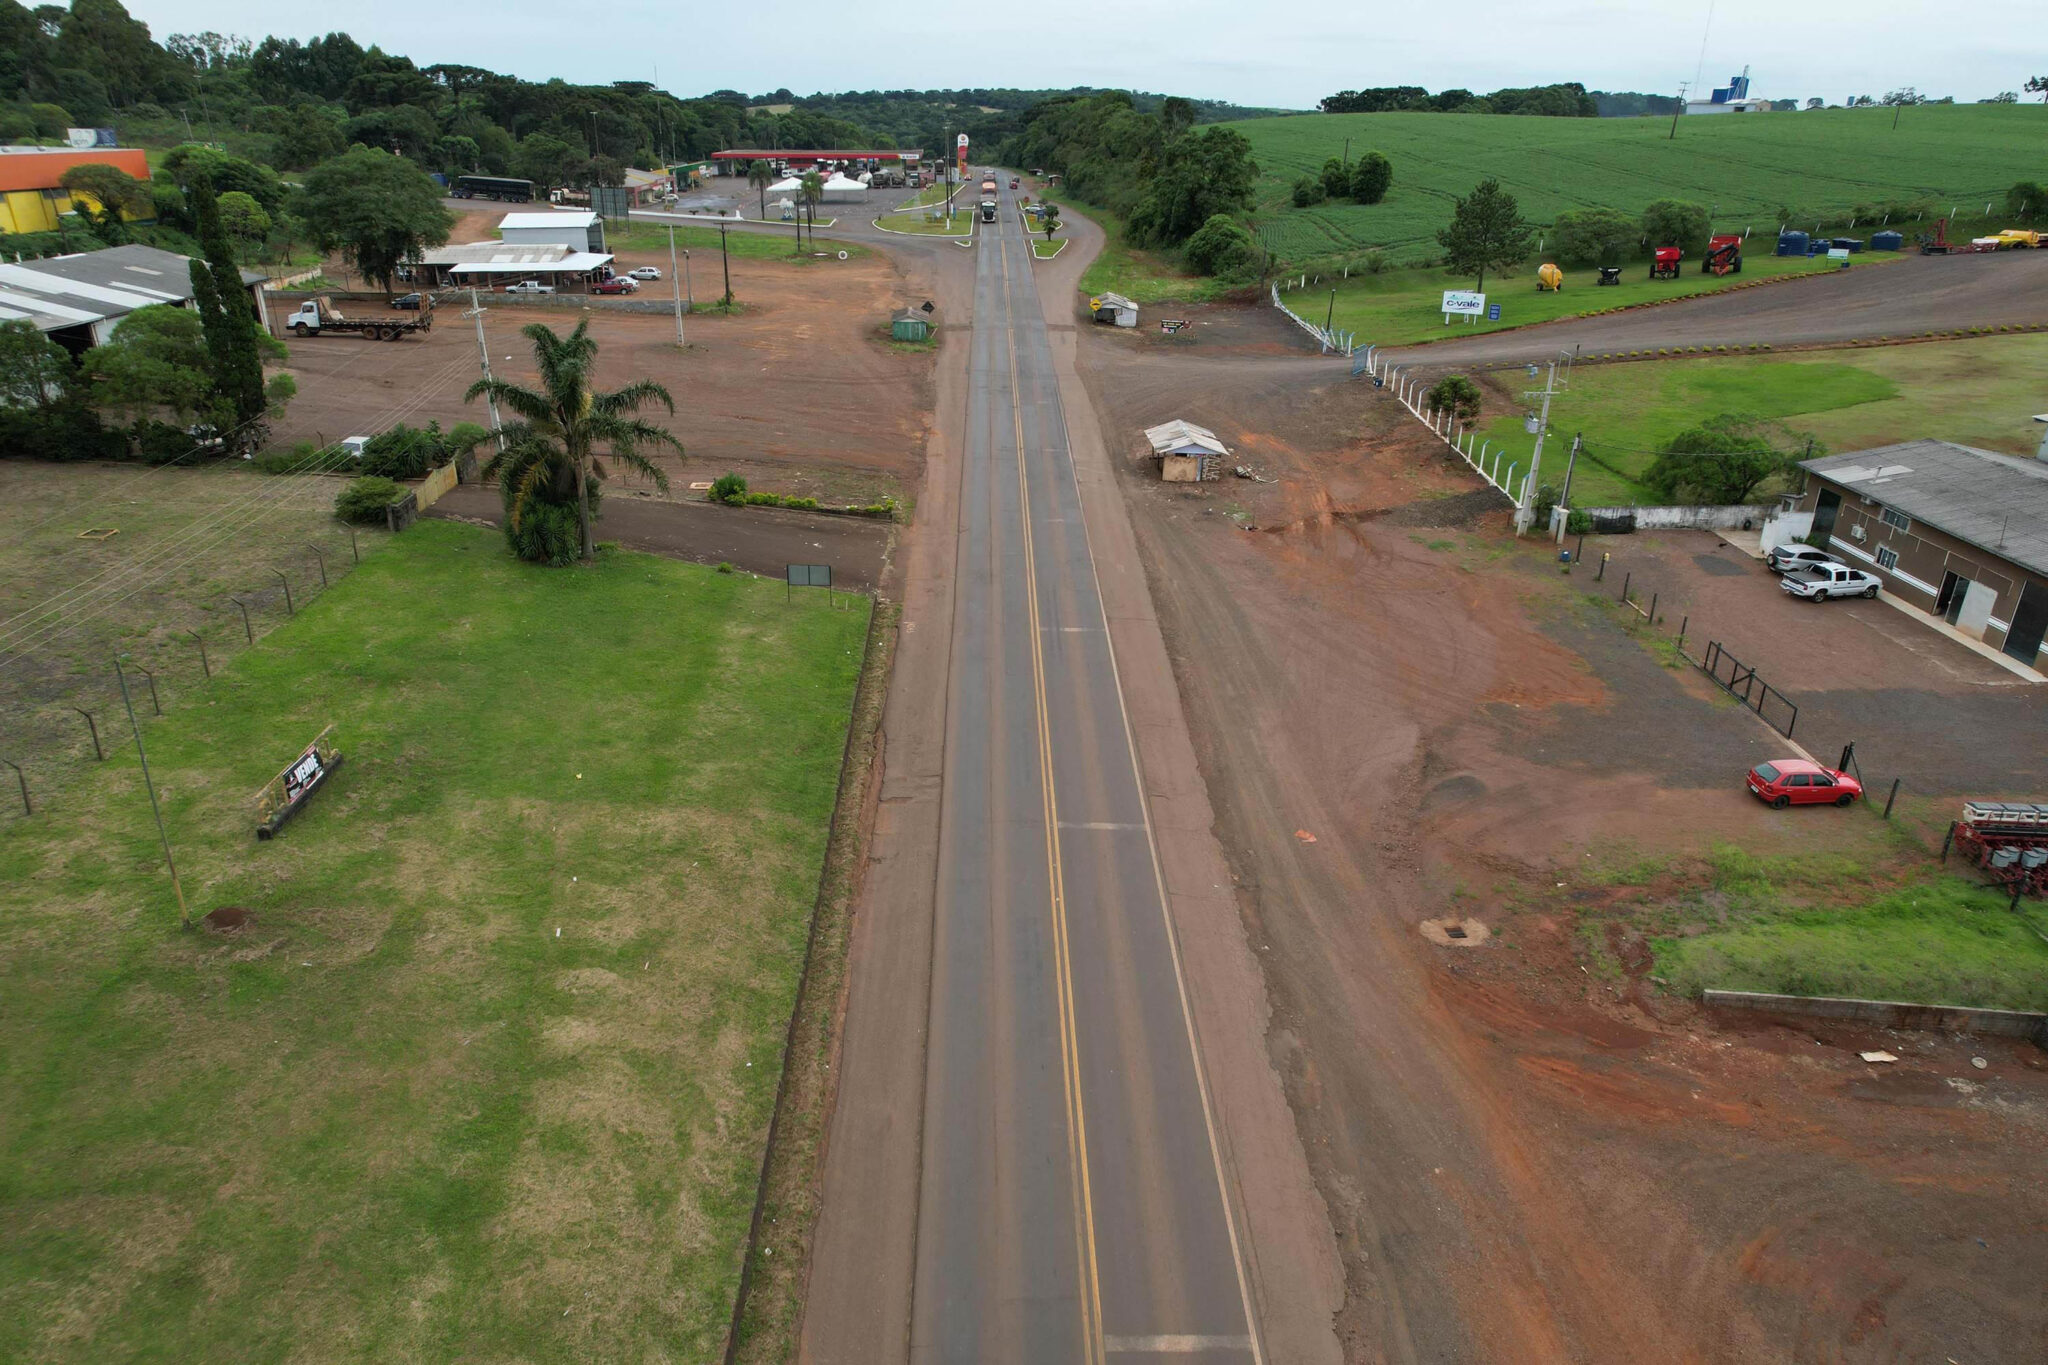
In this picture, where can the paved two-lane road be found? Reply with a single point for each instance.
(1071, 1206)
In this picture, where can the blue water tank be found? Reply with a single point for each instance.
(1791, 244)
(1886, 241)
(1849, 243)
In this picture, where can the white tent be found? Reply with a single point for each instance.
(789, 186)
(840, 188)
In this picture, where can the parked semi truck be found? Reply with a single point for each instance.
(988, 210)
(315, 316)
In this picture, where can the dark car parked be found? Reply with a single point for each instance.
(411, 302)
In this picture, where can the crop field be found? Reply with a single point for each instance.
(1753, 171)
(487, 1070)
(1980, 392)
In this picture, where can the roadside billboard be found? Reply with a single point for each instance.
(1464, 303)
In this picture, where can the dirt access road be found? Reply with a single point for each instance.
(1403, 718)
(1898, 299)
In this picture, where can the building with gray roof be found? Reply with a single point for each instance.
(78, 299)
(1958, 532)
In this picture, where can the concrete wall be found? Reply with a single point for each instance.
(1783, 529)
(435, 484)
(1685, 518)
(1884, 1013)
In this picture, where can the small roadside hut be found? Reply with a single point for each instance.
(1114, 308)
(1186, 453)
(908, 324)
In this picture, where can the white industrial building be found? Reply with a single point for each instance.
(489, 264)
(577, 229)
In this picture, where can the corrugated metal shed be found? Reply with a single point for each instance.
(93, 287)
(1184, 438)
(1998, 503)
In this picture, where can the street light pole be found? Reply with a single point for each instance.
(483, 351)
(675, 285)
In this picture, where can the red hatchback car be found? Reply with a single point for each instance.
(617, 284)
(1795, 782)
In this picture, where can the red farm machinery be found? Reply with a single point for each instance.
(1724, 256)
(1665, 265)
(2008, 840)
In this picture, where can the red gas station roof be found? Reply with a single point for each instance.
(788, 154)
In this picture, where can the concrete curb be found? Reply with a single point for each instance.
(1897, 1014)
(928, 236)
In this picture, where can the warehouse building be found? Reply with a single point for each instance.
(31, 195)
(577, 229)
(488, 265)
(1956, 532)
(77, 300)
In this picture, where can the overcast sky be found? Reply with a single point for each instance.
(1286, 53)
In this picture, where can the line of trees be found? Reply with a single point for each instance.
(1567, 99)
(1169, 180)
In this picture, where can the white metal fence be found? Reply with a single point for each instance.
(1341, 342)
(1409, 390)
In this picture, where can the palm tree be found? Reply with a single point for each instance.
(550, 457)
(761, 175)
(1050, 218)
(812, 193)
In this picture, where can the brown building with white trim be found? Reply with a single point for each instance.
(1957, 532)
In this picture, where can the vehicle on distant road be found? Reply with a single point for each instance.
(1818, 582)
(617, 284)
(409, 302)
(645, 272)
(505, 189)
(988, 210)
(1785, 558)
(1786, 782)
(1013, 182)
(529, 287)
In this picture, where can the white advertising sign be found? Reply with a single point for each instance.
(1465, 303)
(962, 140)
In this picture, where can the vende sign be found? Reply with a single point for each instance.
(1464, 303)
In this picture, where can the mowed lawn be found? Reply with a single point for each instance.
(1402, 307)
(488, 1077)
(1747, 170)
(1980, 392)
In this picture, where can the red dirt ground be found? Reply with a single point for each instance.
(797, 393)
(1524, 1162)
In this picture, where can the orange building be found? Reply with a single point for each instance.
(31, 197)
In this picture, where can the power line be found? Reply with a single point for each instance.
(209, 532)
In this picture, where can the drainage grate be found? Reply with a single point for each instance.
(1454, 931)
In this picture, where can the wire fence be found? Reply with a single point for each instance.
(170, 657)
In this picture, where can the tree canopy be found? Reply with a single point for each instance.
(376, 208)
(156, 358)
(1486, 232)
(1723, 460)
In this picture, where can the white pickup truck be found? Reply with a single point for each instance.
(1818, 582)
(529, 287)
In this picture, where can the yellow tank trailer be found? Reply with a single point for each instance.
(1548, 277)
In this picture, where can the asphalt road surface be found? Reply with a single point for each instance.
(1071, 1206)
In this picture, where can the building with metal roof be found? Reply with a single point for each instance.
(78, 299)
(1957, 532)
(32, 194)
(1186, 453)
(578, 229)
(486, 263)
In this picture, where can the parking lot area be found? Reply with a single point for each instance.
(1917, 704)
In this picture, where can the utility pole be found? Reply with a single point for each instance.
(184, 915)
(728, 266)
(1678, 109)
(675, 285)
(1525, 505)
(1564, 498)
(483, 352)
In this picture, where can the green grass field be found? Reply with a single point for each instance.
(754, 243)
(489, 1074)
(1403, 306)
(1981, 392)
(959, 224)
(1747, 169)
(1935, 939)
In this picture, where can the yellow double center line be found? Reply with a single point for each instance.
(1063, 972)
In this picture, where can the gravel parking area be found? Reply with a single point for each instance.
(1917, 704)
